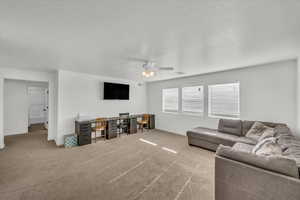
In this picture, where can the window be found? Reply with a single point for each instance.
(224, 100)
(192, 99)
(170, 100)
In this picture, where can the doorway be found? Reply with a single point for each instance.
(25, 108)
(37, 108)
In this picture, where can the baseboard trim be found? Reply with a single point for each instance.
(2, 147)
(15, 133)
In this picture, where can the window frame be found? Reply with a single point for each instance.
(203, 100)
(209, 114)
(163, 102)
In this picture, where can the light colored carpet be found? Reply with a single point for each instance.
(118, 169)
(37, 127)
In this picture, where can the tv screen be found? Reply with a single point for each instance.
(116, 91)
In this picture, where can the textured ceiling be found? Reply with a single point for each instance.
(100, 36)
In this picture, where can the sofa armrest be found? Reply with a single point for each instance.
(237, 180)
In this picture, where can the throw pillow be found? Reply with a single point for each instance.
(256, 131)
(267, 147)
(268, 132)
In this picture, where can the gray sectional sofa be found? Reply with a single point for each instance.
(228, 133)
(241, 174)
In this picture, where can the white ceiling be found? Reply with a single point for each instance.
(99, 36)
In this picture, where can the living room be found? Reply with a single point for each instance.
(150, 100)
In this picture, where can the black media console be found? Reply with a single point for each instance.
(83, 128)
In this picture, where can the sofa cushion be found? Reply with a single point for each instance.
(212, 135)
(229, 126)
(282, 130)
(247, 140)
(267, 147)
(256, 130)
(243, 147)
(246, 125)
(290, 146)
(293, 153)
(292, 150)
(267, 133)
(278, 164)
(286, 140)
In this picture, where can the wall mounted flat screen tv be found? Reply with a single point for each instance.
(116, 91)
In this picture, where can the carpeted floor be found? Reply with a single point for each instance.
(118, 169)
(37, 127)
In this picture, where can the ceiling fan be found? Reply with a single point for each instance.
(151, 67)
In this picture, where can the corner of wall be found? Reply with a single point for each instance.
(298, 96)
(2, 145)
(56, 100)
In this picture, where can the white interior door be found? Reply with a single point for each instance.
(37, 105)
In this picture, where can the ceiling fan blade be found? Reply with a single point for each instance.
(166, 68)
(134, 59)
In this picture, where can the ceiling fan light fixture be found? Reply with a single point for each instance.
(148, 73)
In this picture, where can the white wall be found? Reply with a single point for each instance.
(15, 107)
(83, 93)
(267, 93)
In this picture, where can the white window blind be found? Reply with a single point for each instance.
(224, 100)
(192, 99)
(170, 100)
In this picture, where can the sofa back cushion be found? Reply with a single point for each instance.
(246, 125)
(230, 126)
(282, 130)
(277, 164)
